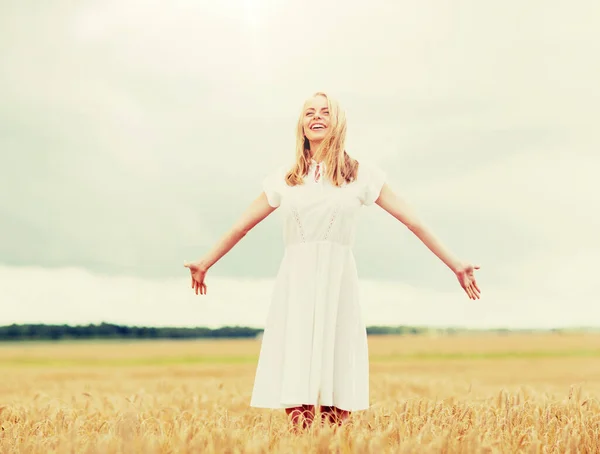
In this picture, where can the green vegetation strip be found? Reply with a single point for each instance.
(252, 359)
(487, 355)
(164, 361)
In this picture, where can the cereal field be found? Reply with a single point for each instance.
(472, 393)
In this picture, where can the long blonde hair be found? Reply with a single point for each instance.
(340, 167)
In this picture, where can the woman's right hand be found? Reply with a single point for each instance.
(466, 277)
(256, 212)
(198, 271)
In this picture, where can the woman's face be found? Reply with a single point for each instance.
(316, 118)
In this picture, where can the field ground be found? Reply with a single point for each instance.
(472, 393)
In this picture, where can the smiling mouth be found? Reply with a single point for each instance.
(318, 127)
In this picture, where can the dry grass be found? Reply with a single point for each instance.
(525, 393)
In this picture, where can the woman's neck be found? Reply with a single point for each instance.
(314, 146)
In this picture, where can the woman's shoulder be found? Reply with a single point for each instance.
(371, 179)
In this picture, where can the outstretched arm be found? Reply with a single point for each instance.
(401, 210)
(256, 212)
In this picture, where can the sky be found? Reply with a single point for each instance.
(133, 134)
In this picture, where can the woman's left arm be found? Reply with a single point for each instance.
(401, 210)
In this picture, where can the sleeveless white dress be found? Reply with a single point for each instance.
(314, 345)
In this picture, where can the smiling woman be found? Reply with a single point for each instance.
(320, 136)
(314, 353)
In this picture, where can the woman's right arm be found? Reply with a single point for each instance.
(256, 212)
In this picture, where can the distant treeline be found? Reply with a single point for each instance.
(110, 331)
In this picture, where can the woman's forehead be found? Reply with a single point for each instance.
(316, 102)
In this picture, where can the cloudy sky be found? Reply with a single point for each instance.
(134, 133)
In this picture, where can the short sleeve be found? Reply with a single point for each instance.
(372, 179)
(272, 184)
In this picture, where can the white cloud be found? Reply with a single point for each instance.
(551, 192)
(142, 128)
(75, 296)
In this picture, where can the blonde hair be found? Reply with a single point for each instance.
(340, 167)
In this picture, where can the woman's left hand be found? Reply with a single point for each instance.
(466, 278)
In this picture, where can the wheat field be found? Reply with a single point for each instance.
(530, 393)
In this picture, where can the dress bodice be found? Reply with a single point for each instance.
(318, 211)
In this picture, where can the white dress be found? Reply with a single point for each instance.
(314, 345)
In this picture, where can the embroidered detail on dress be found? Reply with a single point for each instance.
(317, 174)
(331, 221)
(300, 230)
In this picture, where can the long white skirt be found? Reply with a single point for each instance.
(314, 346)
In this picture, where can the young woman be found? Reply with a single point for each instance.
(314, 357)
